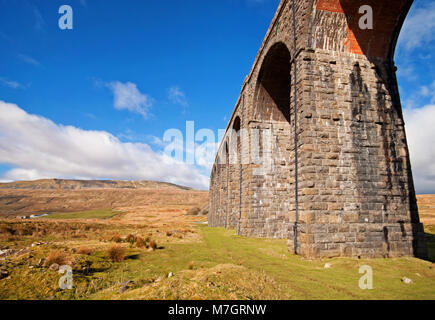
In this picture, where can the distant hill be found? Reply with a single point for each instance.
(61, 184)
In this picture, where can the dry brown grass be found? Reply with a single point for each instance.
(426, 208)
(116, 237)
(141, 242)
(116, 253)
(131, 238)
(153, 244)
(194, 211)
(85, 251)
(56, 256)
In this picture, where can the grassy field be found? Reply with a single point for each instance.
(166, 253)
(209, 263)
(90, 214)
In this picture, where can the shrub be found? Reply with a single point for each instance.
(191, 265)
(194, 211)
(116, 253)
(6, 230)
(85, 250)
(131, 238)
(140, 242)
(153, 245)
(116, 238)
(56, 256)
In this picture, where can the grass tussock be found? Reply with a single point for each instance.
(131, 238)
(116, 237)
(56, 256)
(85, 251)
(153, 244)
(141, 242)
(220, 282)
(194, 211)
(116, 253)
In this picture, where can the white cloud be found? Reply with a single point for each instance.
(428, 92)
(10, 83)
(128, 97)
(420, 129)
(39, 20)
(39, 148)
(29, 60)
(177, 96)
(419, 28)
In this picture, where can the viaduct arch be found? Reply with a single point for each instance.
(332, 87)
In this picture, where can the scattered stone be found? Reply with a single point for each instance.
(7, 253)
(4, 274)
(36, 244)
(127, 283)
(41, 262)
(406, 280)
(54, 267)
(170, 275)
(328, 266)
(123, 289)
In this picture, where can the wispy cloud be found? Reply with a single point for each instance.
(177, 96)
(29, 60)
(38, 148)
(126, 96)
(10, 83)
(419, 28)
(39, 20)
(428, 92)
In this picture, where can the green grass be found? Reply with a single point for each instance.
(295, 277)
(90, 214)
(226, 266)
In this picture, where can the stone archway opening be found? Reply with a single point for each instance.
(274, 85)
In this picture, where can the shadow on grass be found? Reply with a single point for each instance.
(430, 243)
(133, 257)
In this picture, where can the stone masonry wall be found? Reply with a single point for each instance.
(356, 193)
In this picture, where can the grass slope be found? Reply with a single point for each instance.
(206, 264)
(231, 267)
(90, 214)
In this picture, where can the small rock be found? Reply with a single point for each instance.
(4, 273)
(170, 275)
(328, 266)
(406, 280)
(41, 262)
(123, 289)
(127, 283)
(54, 267)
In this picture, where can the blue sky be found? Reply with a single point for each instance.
(130, 70)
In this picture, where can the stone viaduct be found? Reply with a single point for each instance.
(324, 84)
